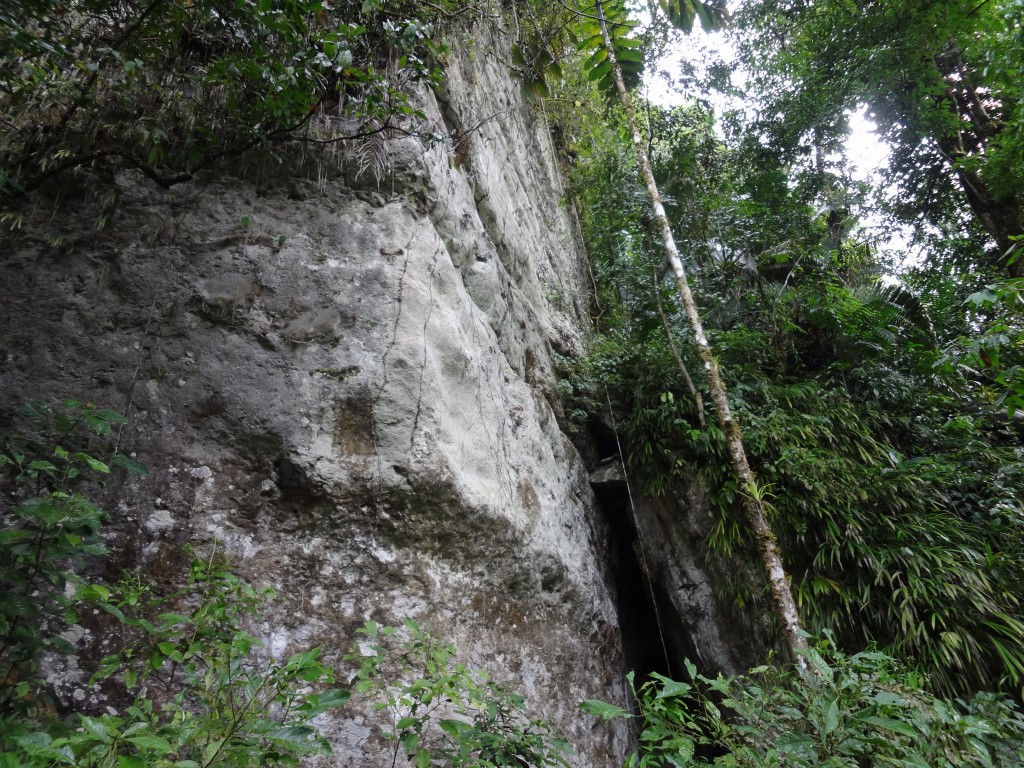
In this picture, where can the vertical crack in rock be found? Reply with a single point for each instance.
(664, 587)
(384, 367)
(423, 366)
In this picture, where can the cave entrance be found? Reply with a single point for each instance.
(654, 635)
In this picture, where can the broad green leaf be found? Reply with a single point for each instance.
(457, 729)
(896, 726)
(832, 717)
(133, 466)
(93, 463)
(600, 72)
(409, 740)
(154, 743)
(602, 709)
(96, 728)
(670, 687)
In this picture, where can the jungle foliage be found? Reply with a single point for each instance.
(855, 710)
(878, 407)
(172, 88)
(940, 79)
(199, 691)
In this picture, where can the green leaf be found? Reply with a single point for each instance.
(301, 736)
(93, 464)
(154, 743)
(409, 740)
(600, 71)
(131, 465)
(691, 669)
(671, 687)
(601, 54)
(457, 729)
(96, 728)
(15, 605)
(315, 704)
(896, 726)
(8, 538)
(983, 297)
(602, 709)
(832, 717)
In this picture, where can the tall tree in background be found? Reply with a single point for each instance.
(682, 13)
(941, 78)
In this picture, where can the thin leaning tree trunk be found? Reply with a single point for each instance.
(752, 505)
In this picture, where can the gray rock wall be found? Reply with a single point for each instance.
(346, 377)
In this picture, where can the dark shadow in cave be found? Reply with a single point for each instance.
(654, 635)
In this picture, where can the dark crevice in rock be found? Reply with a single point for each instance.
(603, 437)
(654, 636)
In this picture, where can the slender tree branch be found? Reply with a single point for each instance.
(598, 16)
(977, 8)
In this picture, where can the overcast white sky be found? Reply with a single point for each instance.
(866, 153)
(864, 149)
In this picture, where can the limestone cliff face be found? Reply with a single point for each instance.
(343, 370)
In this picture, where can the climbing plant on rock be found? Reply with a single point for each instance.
(171, 88)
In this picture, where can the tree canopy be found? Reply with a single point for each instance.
(942, 80)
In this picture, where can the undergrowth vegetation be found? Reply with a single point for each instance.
(853, 710)
(443, 712)
(186, 683)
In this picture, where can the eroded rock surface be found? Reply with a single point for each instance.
(348, 380)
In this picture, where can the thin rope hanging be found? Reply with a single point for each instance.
(639, 536)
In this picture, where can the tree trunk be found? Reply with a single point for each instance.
(1002, 216)
(752, 503)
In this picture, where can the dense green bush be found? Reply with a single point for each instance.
(854, 711)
